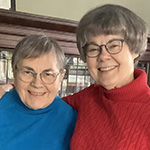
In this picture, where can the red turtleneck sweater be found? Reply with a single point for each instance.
(117, 119)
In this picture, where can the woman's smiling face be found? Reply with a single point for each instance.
(111, 70)
(37, 94)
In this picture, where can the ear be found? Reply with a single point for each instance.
(62, 74)
(134, 55)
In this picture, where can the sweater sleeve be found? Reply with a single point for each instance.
(76, 100)
(73, 100)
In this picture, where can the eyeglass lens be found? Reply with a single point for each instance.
(112, 47)
(46, 77)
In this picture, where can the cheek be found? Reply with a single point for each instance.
(127, 61)
(16, 82)
(54, 88)
(52, 91)
(126, 57)
(22, 90)
(91, 64)
(58, 85)
(20, 86)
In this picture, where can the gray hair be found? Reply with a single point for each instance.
(34, 46)
(115, 20)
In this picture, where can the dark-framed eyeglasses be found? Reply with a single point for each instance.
(47, 77)
(113, 46)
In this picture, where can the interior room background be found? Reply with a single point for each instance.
(77, 76)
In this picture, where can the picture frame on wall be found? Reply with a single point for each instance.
(8, 4)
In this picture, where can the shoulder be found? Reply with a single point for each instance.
(85, 93)
(63, 105)
(10, 94)
(77, 99)
(7, 100)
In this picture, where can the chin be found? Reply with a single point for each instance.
(37, 107)
(108, 86)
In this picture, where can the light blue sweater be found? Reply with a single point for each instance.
(22, 128)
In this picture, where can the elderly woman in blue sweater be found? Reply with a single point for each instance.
(32, 117)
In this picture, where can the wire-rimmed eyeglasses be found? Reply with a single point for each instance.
(28, 75)
(113, 46)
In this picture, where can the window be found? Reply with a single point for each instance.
(77, 76)
(6, 75)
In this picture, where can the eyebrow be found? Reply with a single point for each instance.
(29, 68)
(26, 67)
(94, 43)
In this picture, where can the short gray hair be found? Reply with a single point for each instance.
(34, 46)
(115, 20)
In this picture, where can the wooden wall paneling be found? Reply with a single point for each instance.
(23, 31)
(16, 25)
(146, 56)
(10, 35)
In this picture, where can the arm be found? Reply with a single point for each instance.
(4, 88)
(76, 100)
(72, 100)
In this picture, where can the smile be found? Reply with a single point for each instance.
(106, 68)
(36, 93)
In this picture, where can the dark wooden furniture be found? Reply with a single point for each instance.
(15, 25)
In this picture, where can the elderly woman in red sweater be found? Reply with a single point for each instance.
(113, 113)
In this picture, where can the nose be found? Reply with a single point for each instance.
(37, 82)
(104, 55)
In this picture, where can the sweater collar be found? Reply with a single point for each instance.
(133, 90)
(21, 106)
